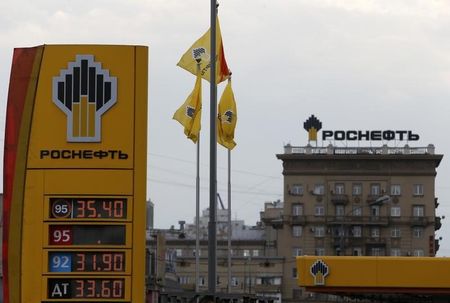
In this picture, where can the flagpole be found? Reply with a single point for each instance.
(229, 221)
(197, 219)
(212, 245)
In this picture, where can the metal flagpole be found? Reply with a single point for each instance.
(197, 219)
(229, 221)
(212, 245)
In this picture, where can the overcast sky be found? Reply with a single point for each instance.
(360, 64)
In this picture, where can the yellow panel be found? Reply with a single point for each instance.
(85, 182)
(140, 173)
(32, 236)
(414, 272)
(49, 132)
(398, 272)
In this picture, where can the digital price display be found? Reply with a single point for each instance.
(86, 261)
(88, 208)
(87, 235)
(85, 288)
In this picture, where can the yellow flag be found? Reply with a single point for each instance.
(189, 114)
(227, 118)
(201, 51)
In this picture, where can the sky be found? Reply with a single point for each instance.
(355, 64)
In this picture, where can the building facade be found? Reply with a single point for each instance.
(354, 201)
(255, 270)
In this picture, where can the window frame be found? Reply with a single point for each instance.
(396, 190)
(296, 190)
(396, 211)
(355, 186)
(297, 231)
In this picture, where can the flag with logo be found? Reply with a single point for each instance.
(189, 114)
(227, 118)
(200, 51)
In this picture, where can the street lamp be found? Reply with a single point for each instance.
(379, 201)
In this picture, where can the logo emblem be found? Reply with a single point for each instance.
(227, 117)
(199, 54)
(84, 92)
(312, 126)
(319, 270)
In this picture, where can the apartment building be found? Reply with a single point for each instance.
(354, 201)
(255, 267)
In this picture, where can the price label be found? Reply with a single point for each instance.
(60, 262)
(60, 235)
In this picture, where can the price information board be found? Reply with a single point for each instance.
(76, 225)
(75, 175)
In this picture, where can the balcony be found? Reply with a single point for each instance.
(297, 220)
(357, 220)
(375, 241)
(420, 221)
(339, 199)
(267, 288)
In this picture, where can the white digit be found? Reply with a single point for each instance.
(56, 261)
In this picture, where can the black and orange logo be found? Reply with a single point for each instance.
(312, 126)
(84, 92)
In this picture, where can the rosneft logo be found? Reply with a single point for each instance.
(199, 54)
(319, 270)
(84, 92)
(312, 126)
(227, 117)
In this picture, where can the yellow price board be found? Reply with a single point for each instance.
(75, 174)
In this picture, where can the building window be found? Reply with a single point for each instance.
(357, 211)
(319, 190)
(249, 281)
(418, 211)
(183, 279)
(376, 251)
(375, 232)
(395, 252)
(339, 188)
(178, 252)
(375, 189)
(418, 253)
(199, 252)
(357, 251)
(340, 210)
(396, 232)
(375, 210)
(234, 281)
(297, 209)
(357, 189)
(418, 232)
(297, 230)
(294, 272)
(297, 251)
(357, 231)
(296, 190)
(395, 211)
(319, 231)
(246, 253)
(418, 190)
(255, 252)
(319, 210)
(396, 190)
(201, 281)
(320, 251)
